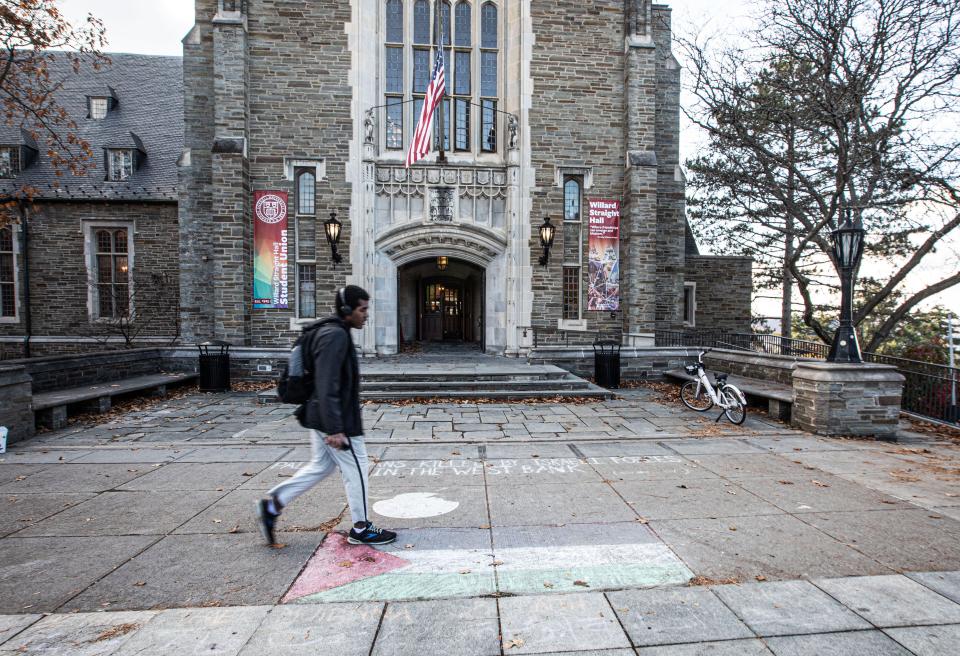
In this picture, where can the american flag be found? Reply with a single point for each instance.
(420, 145)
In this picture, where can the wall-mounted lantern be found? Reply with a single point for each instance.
(442, 262)
(332, 228)
(547, 232)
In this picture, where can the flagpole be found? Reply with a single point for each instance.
(441, 154)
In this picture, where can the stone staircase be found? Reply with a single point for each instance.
(465, 376)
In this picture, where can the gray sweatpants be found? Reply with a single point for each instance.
(353, 469)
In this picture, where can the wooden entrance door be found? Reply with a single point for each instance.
(441, 310)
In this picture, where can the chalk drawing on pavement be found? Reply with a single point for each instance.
(415, 505)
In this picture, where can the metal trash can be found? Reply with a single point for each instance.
(606, 363)
(214, 366)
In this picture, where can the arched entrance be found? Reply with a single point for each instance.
(441, 301)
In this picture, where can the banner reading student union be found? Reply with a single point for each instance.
(270, 249)
(603, 287)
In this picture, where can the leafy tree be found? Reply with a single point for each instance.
(33, 36)
(828, 109)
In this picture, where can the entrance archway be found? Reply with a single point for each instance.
(441, 306)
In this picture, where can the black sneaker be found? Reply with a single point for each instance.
(266, 520)
(370, 535)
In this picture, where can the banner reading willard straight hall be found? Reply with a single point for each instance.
(270, 249)
(603, 286)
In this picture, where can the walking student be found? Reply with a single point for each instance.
(334, 418)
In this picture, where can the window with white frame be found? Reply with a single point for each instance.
(8, 274)
(572, 247)
(9, 161)
(471, 54)
(120, 164)
(110, 270)
(99, 107)
(689, 304)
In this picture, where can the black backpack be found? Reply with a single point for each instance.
(295, 384)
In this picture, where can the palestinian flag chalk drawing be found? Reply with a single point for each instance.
(270, 245)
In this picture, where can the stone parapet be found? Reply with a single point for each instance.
(762, 366)
(635, 362)
(847, 399)
(16, 402)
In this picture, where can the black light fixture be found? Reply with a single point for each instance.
(847, 241)
(442, 262)
(547, 232)
(332, 228)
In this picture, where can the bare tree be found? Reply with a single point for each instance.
(832, 104)
(150, 308)
(33, 37)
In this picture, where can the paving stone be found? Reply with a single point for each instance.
(854, 643)
(211, 631)
(946, 583)
(570, 470)
(788, 608)
(453, 627)
(900, 539)
(774, 546)
(70, 478)
(649, 468)
(525, 505)
(711, 497)
(86, 634)
(495, 451)
(274, 473)
(800, 444)
(746, 465)
(675, 615)
(622, 448)
(819, 492)
(66, 566)
(710, 446)
(855, 460)
(931, 490)
(14, 456)
(194, 570)
(125, 513)
(18, 511)
(235, 512)
(928, 640)
(125, 456)
(11, 625)
(185, 476)
(568, 622)
(301, 630)
(892, 600)
(235, 454)
(724, 648)
(431, 452)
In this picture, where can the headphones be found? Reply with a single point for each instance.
(345, 309)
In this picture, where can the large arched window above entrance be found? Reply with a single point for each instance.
(469, 120)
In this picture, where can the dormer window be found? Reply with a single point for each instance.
(120, 164)
(9, 161)
(99, 106)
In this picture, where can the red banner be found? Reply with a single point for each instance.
(603, 287)
(270, 246)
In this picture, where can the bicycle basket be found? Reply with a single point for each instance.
(691, 369)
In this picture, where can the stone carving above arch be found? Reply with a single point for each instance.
(411, 242)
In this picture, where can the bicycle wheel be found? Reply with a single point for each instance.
(695, 397)
(734, 405)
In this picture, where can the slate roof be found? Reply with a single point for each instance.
(150, 109)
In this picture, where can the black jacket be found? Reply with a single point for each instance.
(335, 405)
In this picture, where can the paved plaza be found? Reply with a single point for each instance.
(629, 526)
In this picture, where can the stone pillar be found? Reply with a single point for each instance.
(847, 399)
(16, 402)
(232, 220)
(638, 226)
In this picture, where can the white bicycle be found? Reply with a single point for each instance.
(700, 395)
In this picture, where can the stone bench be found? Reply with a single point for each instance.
(51, 407)
(779, 397)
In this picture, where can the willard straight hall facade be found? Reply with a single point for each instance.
(549, 104)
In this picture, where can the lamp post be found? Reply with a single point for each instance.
(547, 232)
(332, 228)
(847, 249)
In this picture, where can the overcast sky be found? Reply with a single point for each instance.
(156, 27)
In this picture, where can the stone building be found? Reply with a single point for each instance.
(549, 104)
(97, 265)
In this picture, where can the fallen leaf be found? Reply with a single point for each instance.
(819, 484)
(935, 516)
(235, 529)
(760, 577)
(642, 520)
(20, 478)
(547, 584)
(682, 487)
(345, 563)
(496, 562)
(116, 631)
(516, 642)
(408, 546)
(731, 492)
(248, 474)
(132, 471)
(465, 571)
(484, 526)
(582, 584)
(140, 584)
(217, 521)
(278, 545)
(733, 528)
(785, 482)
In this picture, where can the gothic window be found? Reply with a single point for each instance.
(467, 121)
(306, 191)
(109, 270)
(8, 280)
(9, 161)
(572, 247)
